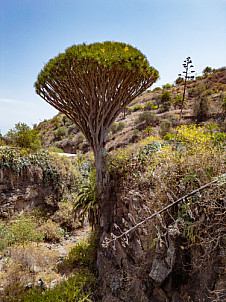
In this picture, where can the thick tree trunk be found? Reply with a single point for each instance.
(103, 188)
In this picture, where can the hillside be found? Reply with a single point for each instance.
(166, 191)
(60, 132)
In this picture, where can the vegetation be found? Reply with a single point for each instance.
(61, 132)
(109, 65)
(148, 117)
(178, 101)
(160, 168)
(24, 137)
(116, 127)
(201, 108)
(165, 127)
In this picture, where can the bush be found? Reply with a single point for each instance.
(165, 107)
(199, 78)
(73, 128)
(64, 216)
(166, 96)
(179, 81)
(137, 107)
(55, 149)
(165, 128)
(117, 127)
(136, 132)
(196, 91)
(24, 137)
(166, 86)
(148, 117)
(150, 106)
(148, 130)
(56, 124)
(61, 132)
(51, 231)
(177, 102)
(201, 109)
(24, 230)
(157, 89)
(223, 104)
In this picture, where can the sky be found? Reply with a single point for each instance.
(166, 31)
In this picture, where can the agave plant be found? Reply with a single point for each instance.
(87, 201)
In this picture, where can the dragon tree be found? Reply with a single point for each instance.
(91, 85)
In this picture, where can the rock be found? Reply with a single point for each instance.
(53, 283)
(29, 286)
(163, 262)
(62, 252)
(35, 269)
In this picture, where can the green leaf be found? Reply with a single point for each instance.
(155, 240)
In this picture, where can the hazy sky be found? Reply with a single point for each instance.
(166, 31)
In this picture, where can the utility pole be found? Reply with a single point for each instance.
(187, 64)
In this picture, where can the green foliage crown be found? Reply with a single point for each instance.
(106, 54)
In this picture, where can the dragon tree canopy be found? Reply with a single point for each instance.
(93, 83)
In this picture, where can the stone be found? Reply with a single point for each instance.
(53, 283)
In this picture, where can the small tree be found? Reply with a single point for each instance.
(24, 137)
(166, 96)
(201, 108)
(61, 132)
(92, 84)
(179, 81)
(165, 100)
(207, 70)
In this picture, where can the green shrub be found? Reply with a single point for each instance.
(157, 89)
(201, 109)
(136, 132)
(73, 128)
(117, 127)
(51, 231)
(61, 132)
(121, 126)
(150, 106)
(165, 128)
(223, 104)
(79, 287)
(55, 149)
(148, 117)
(24, 230)
(137, 107)
(165, 107)
(148, 130)
(56, 124)
(5, 236)
(166, 96)
(179, 81)
(199, 78)
(24, 137)
(166, 86)
(177, 102)
(169, 137)
(83, 254)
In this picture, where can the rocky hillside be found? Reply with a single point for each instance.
(164, 240)
(208, 91)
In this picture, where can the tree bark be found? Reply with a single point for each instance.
(103, 188)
